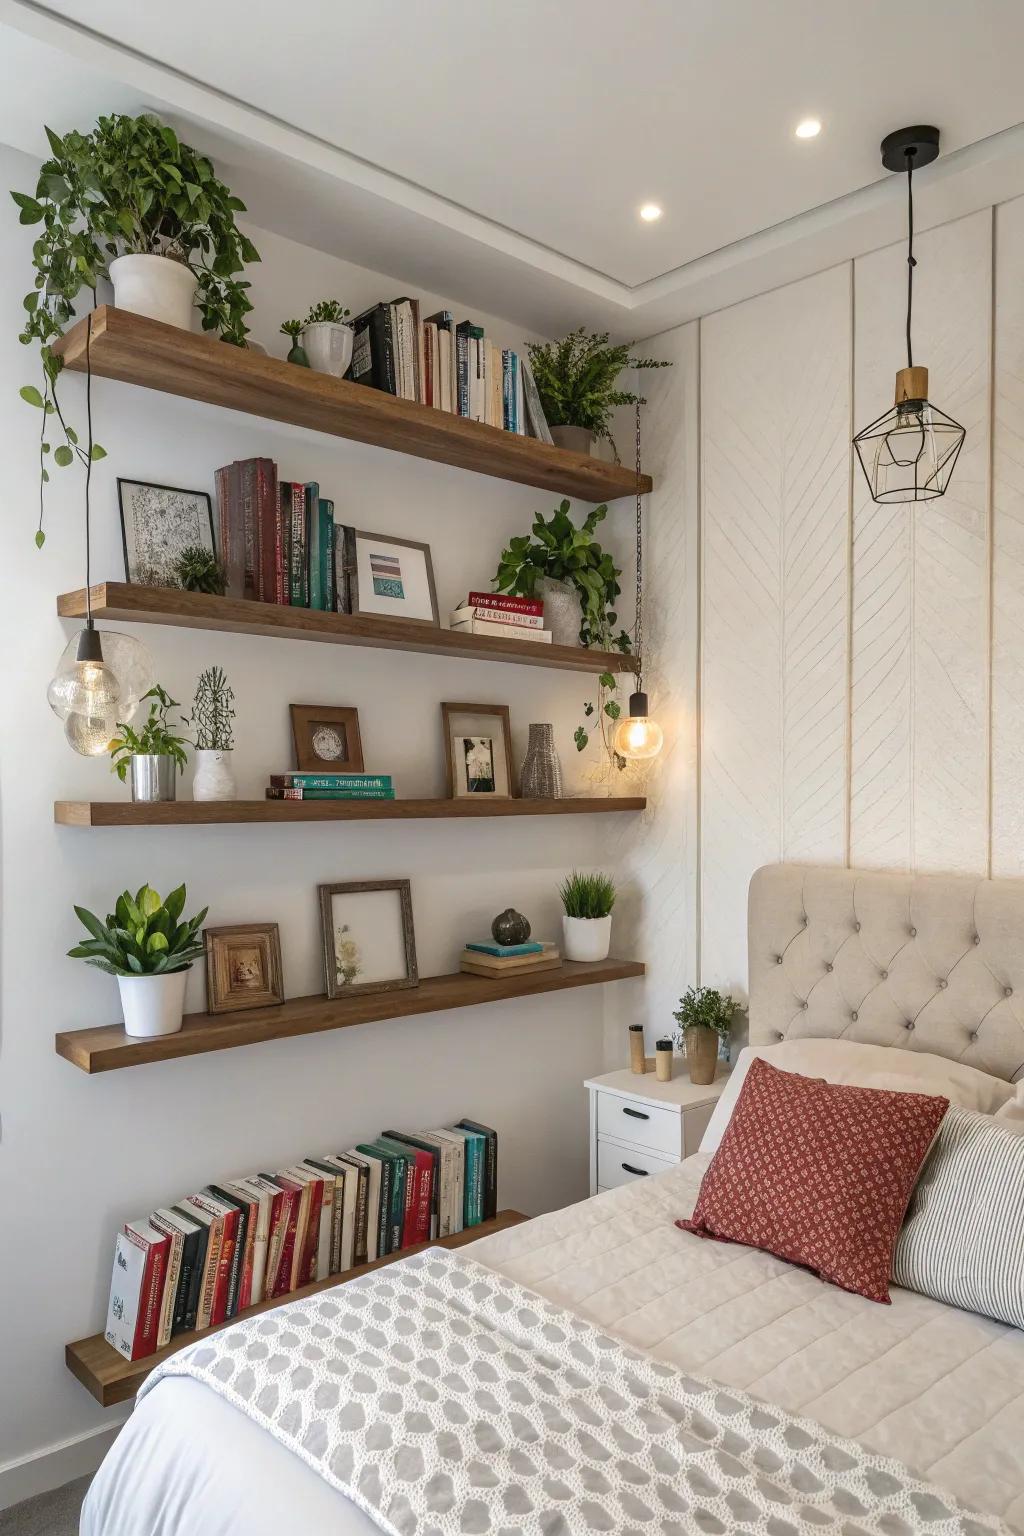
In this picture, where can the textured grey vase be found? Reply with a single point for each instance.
(540, 777)
(562, 611)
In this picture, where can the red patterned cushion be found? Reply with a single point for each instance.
(818, 1173)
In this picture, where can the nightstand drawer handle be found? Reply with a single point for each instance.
(640, 1172)
(637, 1114)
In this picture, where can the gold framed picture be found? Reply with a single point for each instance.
(243, 967)
(326, 738)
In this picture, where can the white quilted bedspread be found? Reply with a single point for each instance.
(938, 1389)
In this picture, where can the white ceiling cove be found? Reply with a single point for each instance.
(502, 152)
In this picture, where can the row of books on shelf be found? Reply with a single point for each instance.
(213, 1254)
(331, 786)
(278, 539)
(482, 957)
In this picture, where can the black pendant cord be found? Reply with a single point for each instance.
(638, 629)
(88, 474)
(911, 263)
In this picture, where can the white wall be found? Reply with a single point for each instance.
(79, 1155)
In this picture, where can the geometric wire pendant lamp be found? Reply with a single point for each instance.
(909, 453)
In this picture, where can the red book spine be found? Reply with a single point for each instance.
(283, 1279)
(147, 1327)
(219, 1310)
(282, 520)
(504, 603)
(423, 1196)
(273, 1246)
(307, 1266)
(250, 525)
(269, 527)
(409, 1215)
(245, 1283)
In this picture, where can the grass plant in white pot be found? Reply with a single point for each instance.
(213, 710)
(143, 943)
(587, 923)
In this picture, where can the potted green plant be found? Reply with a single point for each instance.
(153, 754)
(576, 579)
(587, 923)
(576, 380)
(143, 943)
(327, 339)
(704, 1017)
(296, 355)
(213, 710)
(198, 570)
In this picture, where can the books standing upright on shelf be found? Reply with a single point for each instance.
(490, 1168)
(535, 421)
(373, 361)
(190, 1273)
(136, 1290)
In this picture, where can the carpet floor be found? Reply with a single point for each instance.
(49, 1514)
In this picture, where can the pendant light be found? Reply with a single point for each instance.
(101, 675)
(638, 738)
(909, 453)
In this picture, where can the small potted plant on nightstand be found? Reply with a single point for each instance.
(213, 710)
(587, 924)
(150, 952)
(152, 755)
(704, 1016)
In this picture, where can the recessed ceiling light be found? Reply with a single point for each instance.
(650, 212)
(809, 128)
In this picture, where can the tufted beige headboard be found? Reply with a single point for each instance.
(925, 962)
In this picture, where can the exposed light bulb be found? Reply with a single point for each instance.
(90, 735)
(99, 680)
(638, 737)
(650, 212)
(809, 128)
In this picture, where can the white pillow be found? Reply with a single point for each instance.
(1011, 1114)
(865, 1066)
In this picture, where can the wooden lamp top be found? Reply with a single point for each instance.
(911, 384)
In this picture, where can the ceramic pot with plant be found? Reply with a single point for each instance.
(213, 710)
(153, 755)
(704, 1017)
(577, 381)
(296, 355)
(143, 943)
(587, 923)
(327, 338)
(577, 580)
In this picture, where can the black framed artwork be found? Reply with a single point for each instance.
(158, 522)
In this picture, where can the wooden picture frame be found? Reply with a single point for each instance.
(417, 584)
(243, 967)
(373, 949)
(467, 722)
(189, 519)
(319, 732)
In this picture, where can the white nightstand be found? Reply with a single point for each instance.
(639, 1126)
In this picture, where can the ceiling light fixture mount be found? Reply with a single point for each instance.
(650, 212)
(808, 128)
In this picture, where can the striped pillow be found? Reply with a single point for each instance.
(963, 1239)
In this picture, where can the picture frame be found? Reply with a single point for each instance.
(326, 738)
(367, 930)
(478, 751)
(157, 523)
(243, 967)
(388, 577)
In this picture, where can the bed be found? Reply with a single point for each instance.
(833, 954)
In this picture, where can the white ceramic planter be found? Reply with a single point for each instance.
(563, 612)
(328, 345)
(153, 1005)
(214, 779)
(155, 286)
(586, 938)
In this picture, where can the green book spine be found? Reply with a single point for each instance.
(384, 1210)
(314, 598)
(326, 554)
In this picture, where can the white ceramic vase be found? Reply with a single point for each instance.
(153, 1005)
(214, 779)
(155, 286)
(328, 345)
(586, 938)
(563, 613)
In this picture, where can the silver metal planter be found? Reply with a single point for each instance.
(153, 776)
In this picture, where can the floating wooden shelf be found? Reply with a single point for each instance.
(205, 813)
(107, 1048)
(141, 351)
(113, 1379)
(123, 602)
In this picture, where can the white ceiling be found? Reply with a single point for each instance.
(510, 146)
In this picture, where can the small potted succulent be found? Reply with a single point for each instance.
(704, 1017)
(576, 579)
(143, 943)
(296, 355)
(587, 924)
(576, 380)
(327, 339)
(153, 754)
(213, 710)
(198, 570)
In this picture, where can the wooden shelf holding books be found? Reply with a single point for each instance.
(137, 350)
(108, 1048)
(113, 1379)
(124, 602)
(206, 813)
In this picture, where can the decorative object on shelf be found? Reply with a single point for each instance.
(508, 960)
(159, 523)
(540, 777)
(390, 577)
(576, 380)
(296, 355)
(510, 927)
(198, 569)
(243, 967)
(563, 611)
(143, 943)
(587, 923)
(638, 738)
(908, 454)
(327, 338)
(326, 738)
(663, 1062)
(368, 938)
(153, 754)
(213, 710)
(637, 1054)
(478, 750)
(560, 554)
(704, 1015)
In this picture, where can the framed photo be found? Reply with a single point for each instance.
(326, 738)
(243, 967)
(392, 578)
(368, 936)
(157, 523)
(478, 750)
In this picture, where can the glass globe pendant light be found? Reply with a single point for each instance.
(637, 737)
(908, 454)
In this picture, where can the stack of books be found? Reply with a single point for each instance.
(485, 958)
(330, 786)
(209, 1256)
(493, 613)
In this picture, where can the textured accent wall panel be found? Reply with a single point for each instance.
(775, 423)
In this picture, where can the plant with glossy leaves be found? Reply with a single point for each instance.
(157, 736)
(142, 936)
(330, 310)
(562, 552)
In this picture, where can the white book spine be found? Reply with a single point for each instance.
(125, 1295)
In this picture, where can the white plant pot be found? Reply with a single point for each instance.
(328, 345)
(587, 938)
(155, 286)
(214, 779)
(153, 1005)
(563, 613)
